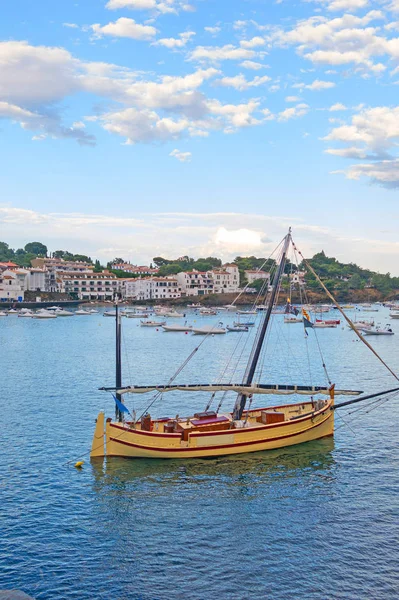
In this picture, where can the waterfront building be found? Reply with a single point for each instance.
(151, 288)
(11, 287)
(88, 285)
(226, 280)
(195, 283)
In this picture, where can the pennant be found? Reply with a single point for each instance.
(120, 405)
(307, 323)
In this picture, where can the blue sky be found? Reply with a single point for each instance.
(145, 127)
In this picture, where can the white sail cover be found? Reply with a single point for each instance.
(284, 390)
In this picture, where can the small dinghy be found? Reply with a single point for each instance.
(237, 328)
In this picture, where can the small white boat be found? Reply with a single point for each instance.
(292, 319)
(61, 312)
(208, 311)
(177, 327)
(237, 328)
(110, 313)
(230, 307)
(324, 325)
(137, 315)
(247, 312)
(44, 314)
(93, 311)
(394, 315)
(3, 313)
(379, 330)
(366, 309)
(198, 305)
(52, 307)
(208, 329)
(174, 314)
(82, 313)
(244, 323)
(26, 312)
(152, 323)
(12, 311)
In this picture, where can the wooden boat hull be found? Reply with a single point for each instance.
(120, 440)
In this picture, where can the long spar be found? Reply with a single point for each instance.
(347, 319)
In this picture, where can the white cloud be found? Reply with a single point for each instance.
(162, 7)
(338, 106)
(71, 25)
(254, 66)
(340, 41)
(213, 30)
(343, 5)
(240, 83)
(373, 133)
(181, 156)
(300, 110)
(125, 27)
(292, 99)
(179, 42)
(385, 172)
(316, 86)
(253, 42)
(220, 53)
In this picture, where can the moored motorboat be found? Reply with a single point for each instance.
(292, 319)
(61, 312)
(378, 330)
(82, 313)
(3, 313)
(44, 314)
(237, 328)
(152, 323)
(184, 327)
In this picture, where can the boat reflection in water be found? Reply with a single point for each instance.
(314, 458)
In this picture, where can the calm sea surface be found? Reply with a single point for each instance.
(317, 521)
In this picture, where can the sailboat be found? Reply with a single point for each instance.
(211, 433)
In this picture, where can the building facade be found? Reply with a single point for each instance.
(252, 275)
(151, 288)
(11, 287)
(89, 286)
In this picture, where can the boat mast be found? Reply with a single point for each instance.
(118, 361)
(254, 358)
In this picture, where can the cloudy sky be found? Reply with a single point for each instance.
(146, 127)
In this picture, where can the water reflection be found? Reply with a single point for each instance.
(313, 457)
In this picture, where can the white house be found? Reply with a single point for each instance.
(89, 286)
(11, 287)
(195, 283)
(226, 279)
(151, 288)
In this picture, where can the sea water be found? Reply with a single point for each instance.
(315, 521)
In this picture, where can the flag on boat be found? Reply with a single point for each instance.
(306, 319)
(121, 407)
(289, 309)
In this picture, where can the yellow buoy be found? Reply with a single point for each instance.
(79, 464)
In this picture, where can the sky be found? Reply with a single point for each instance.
(139, 128)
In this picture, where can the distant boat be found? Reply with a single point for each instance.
(152, 323)
(61, 312)
(3, 313)
(197, 305)
(174, 314)
(177, 327)
(379, 330)
(44, 314)
(83, 313)
(208, 311)
(324, 325)
(137, 315)
(12, 311)
(209, 329)
(394, 315)
(292, 319)
(246, 312)
(26, 312)
(244, 323)
(237, 328)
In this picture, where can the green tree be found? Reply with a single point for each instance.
(36, 248)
